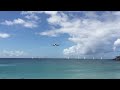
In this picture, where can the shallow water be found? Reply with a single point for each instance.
(59, 69)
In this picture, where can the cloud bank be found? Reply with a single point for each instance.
(91, 32)
(13, 53)
(30, 20)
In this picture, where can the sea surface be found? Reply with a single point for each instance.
(48, 68)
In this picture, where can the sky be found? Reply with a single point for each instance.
(79, 33)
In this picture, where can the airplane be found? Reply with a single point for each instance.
(55, 44)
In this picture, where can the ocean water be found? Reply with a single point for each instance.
(18, 68)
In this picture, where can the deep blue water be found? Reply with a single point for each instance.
(59, 68)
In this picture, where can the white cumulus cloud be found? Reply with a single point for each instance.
(116, 44)
(4, 35)
(19, 21)
(32, 17)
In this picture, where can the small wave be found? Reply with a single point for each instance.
(75, 70)
(6, 65)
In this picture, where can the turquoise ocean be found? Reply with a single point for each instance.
(54, 68)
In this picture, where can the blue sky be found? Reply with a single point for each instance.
(27, 40)
(81, 33)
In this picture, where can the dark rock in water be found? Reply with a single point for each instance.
(117, 58)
